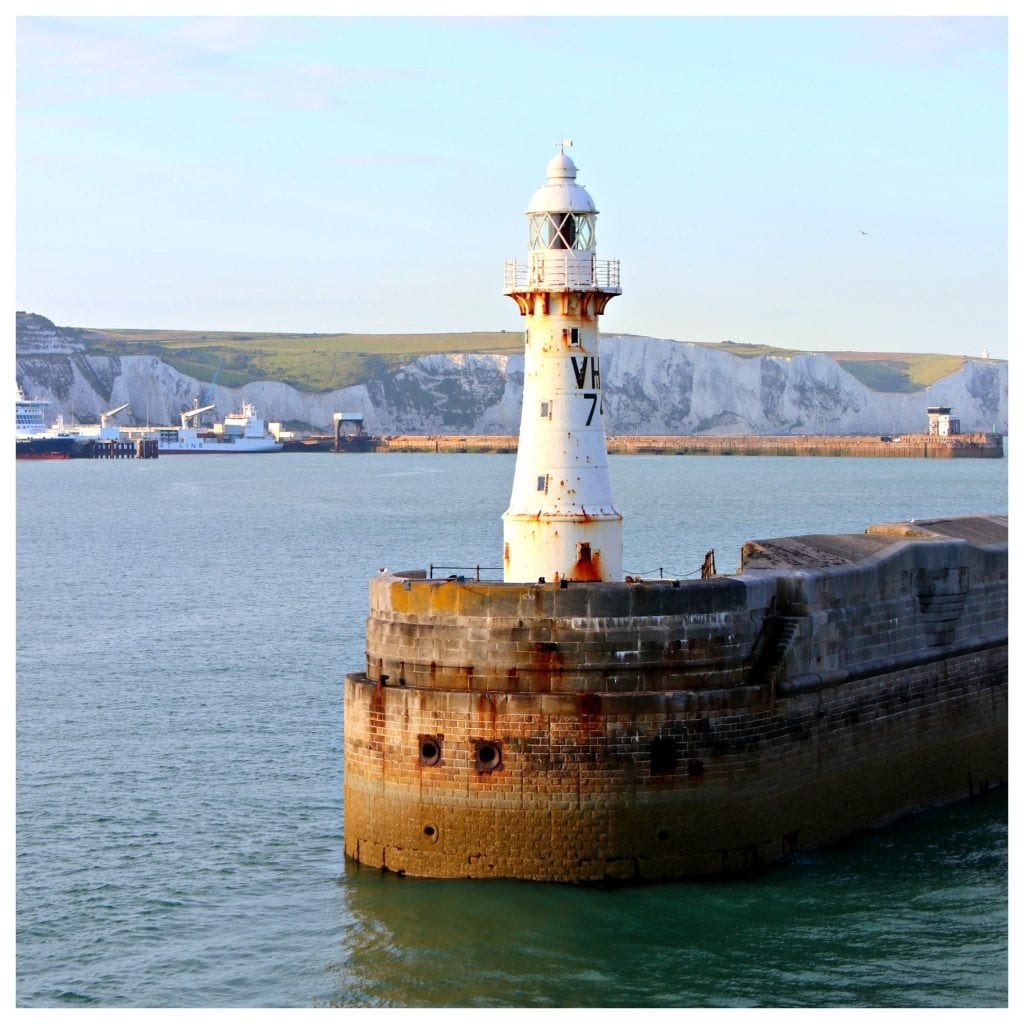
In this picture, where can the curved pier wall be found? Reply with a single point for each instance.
(642, 731)
(910, 601)
(543, 638)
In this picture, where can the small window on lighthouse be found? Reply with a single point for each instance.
(574, 336)
(545, 410)
(542, 483)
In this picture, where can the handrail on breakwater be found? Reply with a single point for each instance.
(462, 572)
(459, 571)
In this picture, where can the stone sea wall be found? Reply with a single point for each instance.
(604, 732)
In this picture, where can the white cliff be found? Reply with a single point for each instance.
(651, 385)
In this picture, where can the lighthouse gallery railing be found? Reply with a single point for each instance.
(561, 270)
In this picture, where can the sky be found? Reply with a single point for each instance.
(821, 183)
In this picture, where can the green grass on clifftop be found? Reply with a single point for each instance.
(310, 362)
(879, 371)
(326, 362)
(898, 372)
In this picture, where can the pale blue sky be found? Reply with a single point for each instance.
(370, 174)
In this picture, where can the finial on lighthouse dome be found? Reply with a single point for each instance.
(561, 166)
(560, 193)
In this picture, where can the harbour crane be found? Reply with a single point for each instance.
(105, 416)
(190, 414)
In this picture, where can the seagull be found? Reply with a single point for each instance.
(863, 232)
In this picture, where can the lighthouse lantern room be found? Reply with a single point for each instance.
(561, 523)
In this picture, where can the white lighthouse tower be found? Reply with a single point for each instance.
(561, 523)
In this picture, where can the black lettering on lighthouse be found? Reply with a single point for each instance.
(579, 369)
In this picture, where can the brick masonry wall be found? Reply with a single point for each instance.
(615, 732)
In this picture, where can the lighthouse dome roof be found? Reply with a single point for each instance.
(560, 193)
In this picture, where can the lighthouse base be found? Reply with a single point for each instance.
(551, 548)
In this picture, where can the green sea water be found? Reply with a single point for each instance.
(183, 627)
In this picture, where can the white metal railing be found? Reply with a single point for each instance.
(557, 270)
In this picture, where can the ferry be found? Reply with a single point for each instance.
(34, 439)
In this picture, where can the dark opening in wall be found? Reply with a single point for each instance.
(430, 749)
(488, 755)
(664, 755)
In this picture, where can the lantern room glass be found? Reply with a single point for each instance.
(562, 231)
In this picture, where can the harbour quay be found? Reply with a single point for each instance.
(919, 446)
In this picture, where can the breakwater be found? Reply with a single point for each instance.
(639, 731)
(921, 446)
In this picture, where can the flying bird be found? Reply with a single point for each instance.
(863, 232)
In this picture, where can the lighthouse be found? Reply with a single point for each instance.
(561, 523)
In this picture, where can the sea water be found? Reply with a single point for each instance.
(183, 629)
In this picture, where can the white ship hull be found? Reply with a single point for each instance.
(218, 446)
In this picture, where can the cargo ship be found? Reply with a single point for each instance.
(242, 432)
